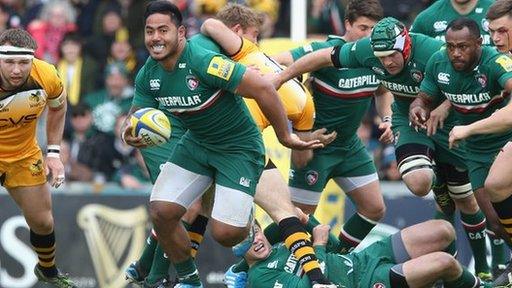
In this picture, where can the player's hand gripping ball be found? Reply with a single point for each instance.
(152, 125)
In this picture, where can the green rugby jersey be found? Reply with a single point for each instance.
(282, 270)
(405, 85)
(434, 20)
(475, 94)
(199, 90)
(341, 96)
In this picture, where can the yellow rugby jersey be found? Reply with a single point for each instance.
(296, 99)
(20, 109)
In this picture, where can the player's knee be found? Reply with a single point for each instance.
(228, 236)
(419, 182)
(445, 262)
(41, 225)
(495, 186)
(445, 231)
(374, 212)
(164, 214)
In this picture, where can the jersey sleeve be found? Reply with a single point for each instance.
(308, 48)
(221, 72)
(503, 70)
(142, 95)
(306, 119)
(48, 77)
(429, 84)
(247, 48)
(352, 55)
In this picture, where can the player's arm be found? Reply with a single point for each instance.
(383, 101)
(499, 121)
(230, 42)
(54, 130)
(310, 62)
(126, 131)
(254, 86)
(300, 158)
(284, 58)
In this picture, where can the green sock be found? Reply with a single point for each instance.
(187, 272)
(452, 248)
(474, 225)
(466, 279)
(333, 243)
(500, 255)
(241, 266)
(354, 231)
(159, 267)
(147, 253)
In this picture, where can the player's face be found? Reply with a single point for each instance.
(501, 33)
(162, 36)
(251, 34)
(462, 48)
(14, 72)
(393, 63)
(260, 248)
(361, 28)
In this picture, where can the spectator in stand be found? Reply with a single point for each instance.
(57, 18)
(107, 104)
(122, 52)
(7, 18)
(326, 17)
(81, 130)
(130, 12)
(133, 174)
(78, 72)
(112, 29)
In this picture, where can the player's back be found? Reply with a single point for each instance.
(20, 109)
(296, 100)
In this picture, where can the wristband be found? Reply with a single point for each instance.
(53, 151)
(386, 119)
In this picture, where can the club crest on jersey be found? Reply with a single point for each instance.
(440, 26)
(35, 97)
(378, 70)
(417, 75)
(36, 168)
(481, 79)
(379, 285)
(311, 177)
(192, 82)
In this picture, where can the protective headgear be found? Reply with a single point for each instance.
(390, 35)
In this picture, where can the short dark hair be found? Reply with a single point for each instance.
(164, 7)
(19, 38)
(464, 22)
(499, 9)
(80, 109)
(368, 8)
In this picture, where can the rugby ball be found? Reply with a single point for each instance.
(152, 125)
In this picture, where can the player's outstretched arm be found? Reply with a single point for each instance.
(284, 58)
(254, 86)
(310, 62)
(499, 121)
(220, 33)
(54, 129)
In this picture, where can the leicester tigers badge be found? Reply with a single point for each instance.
(416, 75)
(311, 177)
(192, 82)
(481, 79)
(378, 285)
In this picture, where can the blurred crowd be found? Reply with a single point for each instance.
(97, 47)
